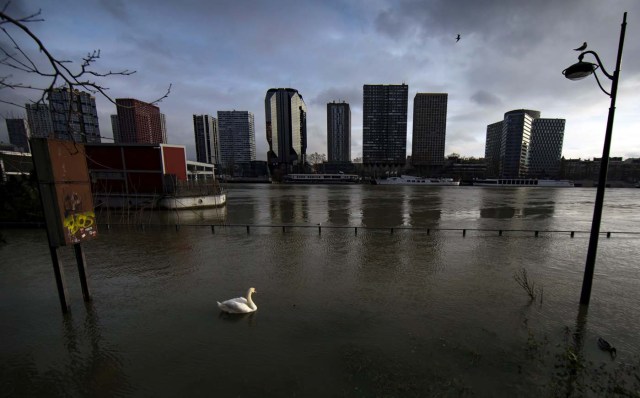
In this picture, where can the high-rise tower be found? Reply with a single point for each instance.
(429, 129)
(286, 125)
(492, 149)
(339, 132)
(237, 137)
(205, 129)
(545, 152)
(529, 146)
(74, 115)
(19, 134)
(514, 145)
(384, 124)
(39, 119)
(138, 122)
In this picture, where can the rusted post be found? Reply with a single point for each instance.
(81, 260)
(58, 270)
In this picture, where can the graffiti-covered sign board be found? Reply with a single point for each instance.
(65, 188)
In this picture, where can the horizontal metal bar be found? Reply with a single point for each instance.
(426, 230)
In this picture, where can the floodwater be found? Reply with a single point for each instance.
(342, 313)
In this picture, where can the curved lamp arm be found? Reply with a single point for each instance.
(598, 80)
(610, 76)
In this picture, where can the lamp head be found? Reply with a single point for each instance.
(579, 70)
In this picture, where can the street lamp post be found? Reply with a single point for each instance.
(576, 72)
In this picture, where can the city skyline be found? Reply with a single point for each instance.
(510, 58)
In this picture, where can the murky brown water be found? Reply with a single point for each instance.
(340, 313)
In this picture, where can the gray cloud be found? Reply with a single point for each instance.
(483, 98)
(350, 95)
(117, 8)
(226, 55)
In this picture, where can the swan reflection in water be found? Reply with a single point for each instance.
(235, 318)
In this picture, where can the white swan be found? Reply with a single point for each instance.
(239, 305)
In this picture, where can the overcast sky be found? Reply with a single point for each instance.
(225, 55)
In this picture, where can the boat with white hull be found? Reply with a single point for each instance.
(411, 180)
(192, 202)
(522, 182)
(161, 202)
(338, 178)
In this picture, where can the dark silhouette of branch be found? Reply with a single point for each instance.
(58, 72)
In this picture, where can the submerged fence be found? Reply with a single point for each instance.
(391, 230)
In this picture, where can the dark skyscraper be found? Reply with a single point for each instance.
(339, 132)
(18, 130)
(429, 129)
(545, 152)
(384, 124)
(74, 115)
(524, 145)
(205, 129)
(39, 119)
(286, 125)
(514, 146)
(237, 137)
(492, 149)
(138, 122)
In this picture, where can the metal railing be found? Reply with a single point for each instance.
(391, 230)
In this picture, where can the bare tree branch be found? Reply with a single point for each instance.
(61, 72)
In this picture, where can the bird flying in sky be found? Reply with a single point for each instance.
(458, 38)
(582, 47)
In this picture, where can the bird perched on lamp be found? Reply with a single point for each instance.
(582, 47)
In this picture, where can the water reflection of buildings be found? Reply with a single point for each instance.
(344, 206)
(424, 208)
(518, 203)
(380, 208)
(290, 207)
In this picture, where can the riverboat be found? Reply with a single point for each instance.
(339, 178)
(410, 180)
(192, 201)
(522, 182)
(161, 202)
